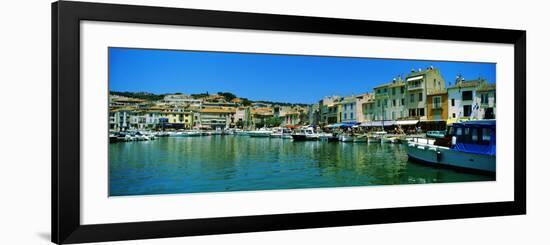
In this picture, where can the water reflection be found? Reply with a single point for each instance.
(233, 163)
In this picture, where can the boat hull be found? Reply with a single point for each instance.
(346, 138)
(299, 137)
(360, 140)
(444, 156)
(329, 138)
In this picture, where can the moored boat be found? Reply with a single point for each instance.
(281, 133)
(305, 134)
(376, 137)
(360, 139)
(328, 137)
(473, 147)
(345, 138)
(259, 133)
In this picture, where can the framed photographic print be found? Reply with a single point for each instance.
(177, 122)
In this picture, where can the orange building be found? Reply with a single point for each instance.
(437, 106)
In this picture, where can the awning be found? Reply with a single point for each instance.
(414, 78)
(406, 122)
(378, 123)
(343, 124)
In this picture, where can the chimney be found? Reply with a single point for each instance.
(458, 79)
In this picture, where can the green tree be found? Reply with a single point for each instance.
(227, 95)
(259, 124)
(273, 122)
(239, 124)
(246, 102)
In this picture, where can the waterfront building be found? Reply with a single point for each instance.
(217, 118)
(369, 108)
(260, 115)
(347, 109)
(291, 118)
(119, 118)
(328, 109)
(437, 106)
(461, 98)
(243, 118)
(486, 95)
(176, 118)
(390, 100)
(137, 120)
(360, 100)
(152, 117)
(280, 111)
(420, 83)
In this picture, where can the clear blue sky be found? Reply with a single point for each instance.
(283, 78)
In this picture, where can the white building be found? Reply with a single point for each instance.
(462, 100)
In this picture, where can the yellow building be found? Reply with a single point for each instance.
(214, 118)
(177, 118)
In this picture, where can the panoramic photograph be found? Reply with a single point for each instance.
(185, 121)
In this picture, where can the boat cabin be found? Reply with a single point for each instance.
(477, 136)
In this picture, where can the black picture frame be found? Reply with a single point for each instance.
(65, 167)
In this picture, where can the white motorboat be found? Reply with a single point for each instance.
(193, 133)
(305, 134)
(473, 147)
(259, 133)
(281, 133)
(329, 137)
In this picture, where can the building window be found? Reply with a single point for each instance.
(435, 81)
(412, 98)
(436, 102)
(452, 102)
(466, 95)
(402, 90)
(454, 115)
(419, 97)
(378, 103)
(402, 101)
(351, 116)
(467, 110)
(421, 112)
(412, 112)
(484, 99)
(394, 103)
(345, 116)
(393, 91)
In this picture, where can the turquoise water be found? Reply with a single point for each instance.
(238, 163)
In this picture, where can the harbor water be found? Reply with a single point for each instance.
(240, 163)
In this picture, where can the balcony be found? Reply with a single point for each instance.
(414, 87)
